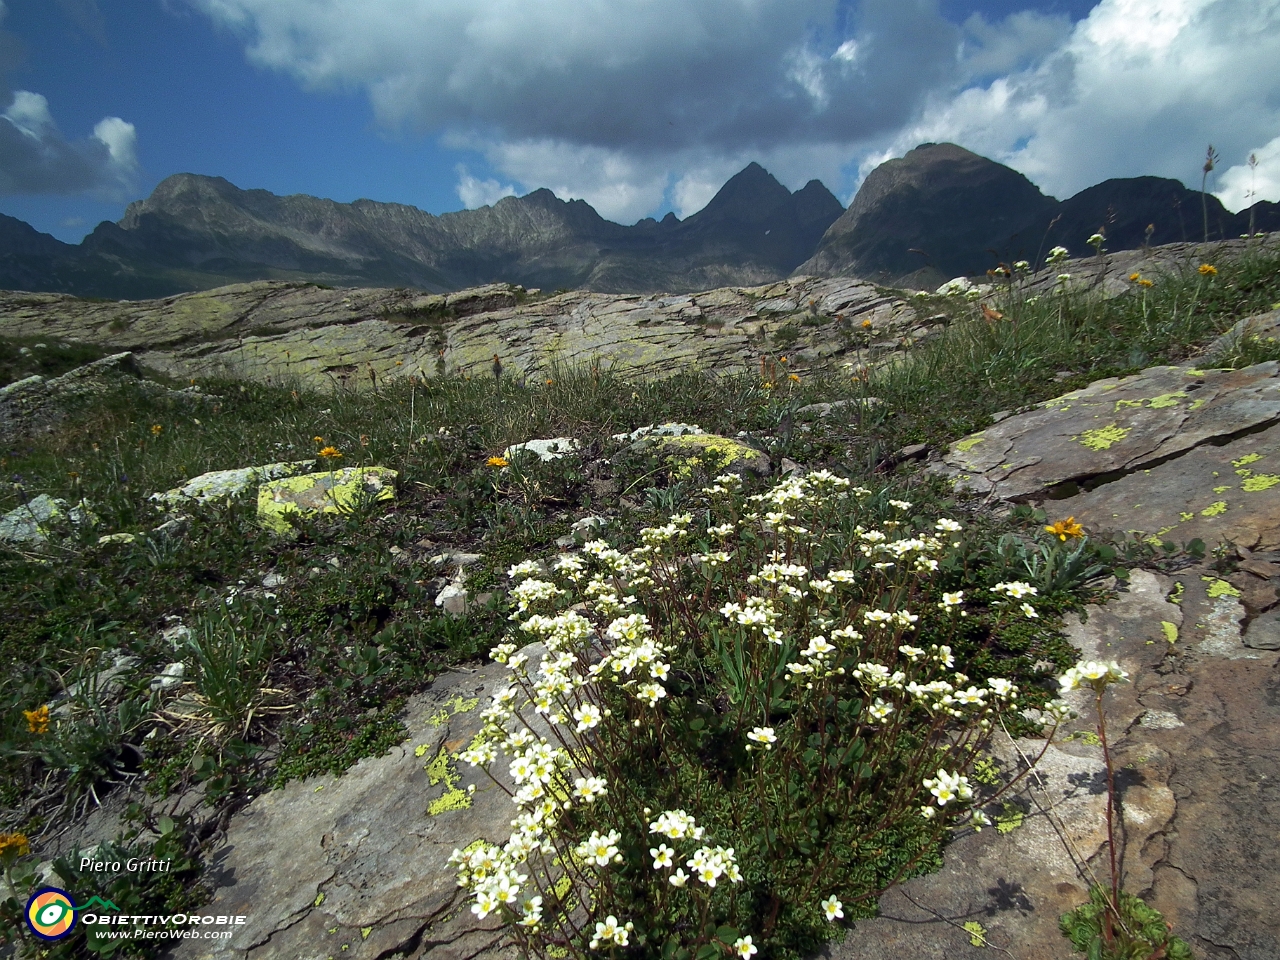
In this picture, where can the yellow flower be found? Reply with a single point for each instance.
(1208, 269)
(550, 382)
(318, 439)
(1135, 276)
(499, 462)
(156, 429)
(767, 385)
(331, 452)
(14, 844)
(1145, 283)
(1066, 528)
(866, 324)
(793, 377)
(37, 719)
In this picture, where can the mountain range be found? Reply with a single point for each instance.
(938, 212)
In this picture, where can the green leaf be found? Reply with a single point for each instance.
(166, 825)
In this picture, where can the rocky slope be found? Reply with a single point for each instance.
(942, 212)
(271, 329)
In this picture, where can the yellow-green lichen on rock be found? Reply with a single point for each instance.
(441, 770)
(714, 453)
(1219, 588)
(1103, 437)
(1214, 509)
(1262, 481)
(968, 443)
(334, 491)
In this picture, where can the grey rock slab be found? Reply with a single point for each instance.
(362, 337)
(1214, 492)
(219, 484)
(356, 866)
(31, 522)
(1261, 326)
(1263, 633)
(1014, 885)
(1117, 424)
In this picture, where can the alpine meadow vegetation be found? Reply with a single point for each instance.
(734, 716)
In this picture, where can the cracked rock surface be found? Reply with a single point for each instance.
(355, 866)
(275, 329)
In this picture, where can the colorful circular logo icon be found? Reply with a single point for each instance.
(51, 913)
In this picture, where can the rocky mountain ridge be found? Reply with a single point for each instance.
(937, 213)
(941, 212)
(197, 232)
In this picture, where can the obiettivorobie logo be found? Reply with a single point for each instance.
(51, 913)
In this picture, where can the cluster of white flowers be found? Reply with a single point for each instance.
(1092, 673)
(1016, 590)
(1057, 255)
(724, 484)
(606, 640)
(610, 930)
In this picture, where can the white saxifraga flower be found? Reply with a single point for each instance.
(651, 693)
(879, 710)
(1016, 589)
(946, 787)
(588, 788)
(744, 948)
(763, 735)
(833, 908)
(662, 857)
(588, 715)
(600, 849)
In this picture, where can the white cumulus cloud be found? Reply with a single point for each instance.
(1242, 184)
(605, 101)
(1137, 87)
(36, 158)
(633, 104)
(474, 192)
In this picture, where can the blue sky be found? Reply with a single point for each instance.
(637, 106)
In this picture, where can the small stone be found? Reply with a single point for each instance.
(1263, 633)
(790, 466)
(171, 676)
(453, 599)
(273, 580)
(912, 451)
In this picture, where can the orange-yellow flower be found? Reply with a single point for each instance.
(499, 462)
(156, 429)
(333, 452)
(792, 377)
(866, 324)
(318, 439)
(1208, 269)
(1066, 528)
(14, 844)
(1145, 283)
(1135, 276)
(37, 719)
